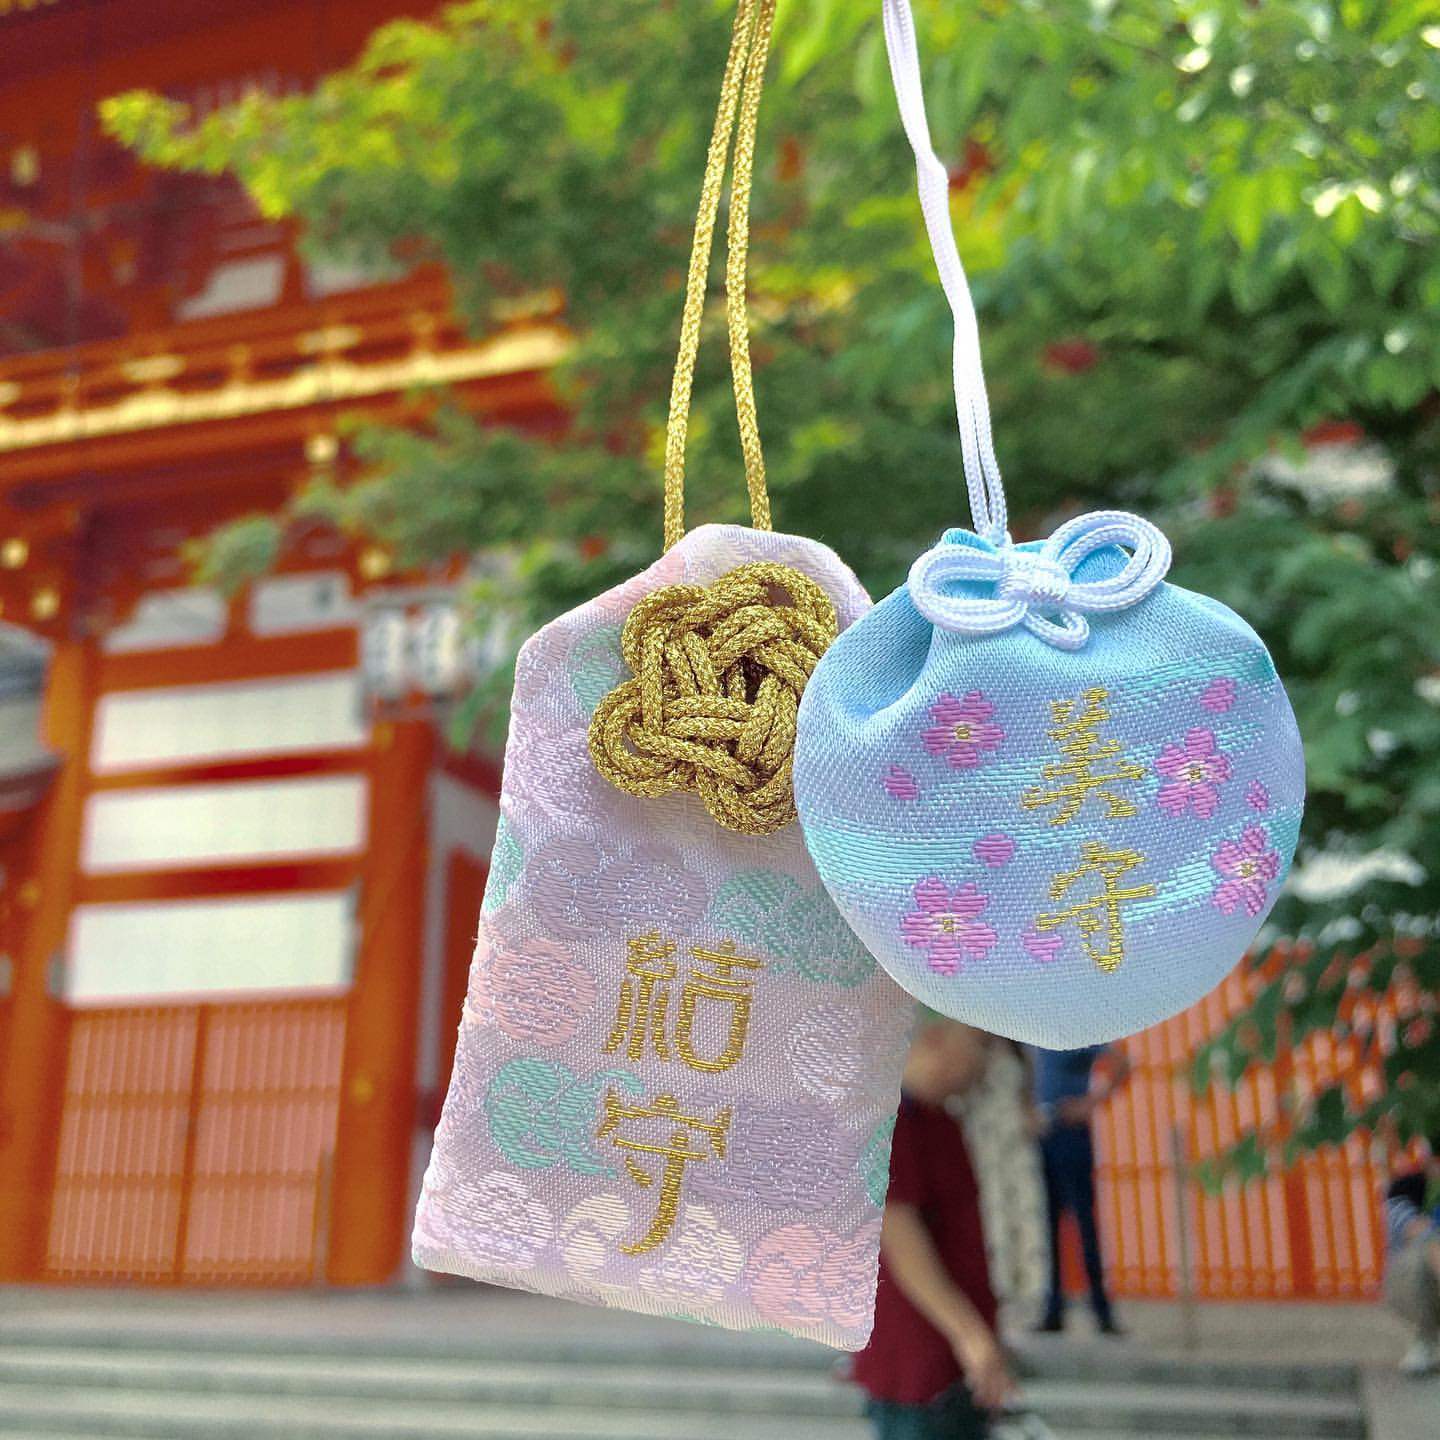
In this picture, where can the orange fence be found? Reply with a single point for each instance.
(196, 1143)
(1313, 1233)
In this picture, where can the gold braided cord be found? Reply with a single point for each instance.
(737, 254)
(695, 281)
(744, 68)
(719, 671)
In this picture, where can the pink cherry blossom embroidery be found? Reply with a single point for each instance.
(1258, 796)
(1192, 770)
(900, 784)
(1219, 695)
(995, 850)
(1245, 867)
(963, 730)
(1044, 948)
(946, 925)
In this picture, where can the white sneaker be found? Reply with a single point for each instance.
(1422, 1358)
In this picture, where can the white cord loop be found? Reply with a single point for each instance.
(1037, 588)
(972, 406)
(1034, 588)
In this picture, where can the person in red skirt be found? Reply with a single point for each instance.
(934, 1368)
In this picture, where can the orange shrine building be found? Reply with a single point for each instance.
(240, 866)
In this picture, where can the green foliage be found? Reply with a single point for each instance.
(239, 552)
(1196, 229)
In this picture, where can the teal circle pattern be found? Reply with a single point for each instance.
(596, 666)
(800, 929)
(507, 860)
(541, 1114)
(875, 1161)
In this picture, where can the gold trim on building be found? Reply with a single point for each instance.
(152, 369)
(328, 380)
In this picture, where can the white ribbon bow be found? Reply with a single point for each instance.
(1037, 588)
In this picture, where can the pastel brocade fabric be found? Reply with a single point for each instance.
(677, 1067)
(1061, 846)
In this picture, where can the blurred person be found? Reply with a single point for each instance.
(934, 1368)
(1070, 1085)
(997, 1114)
(1412, 1259)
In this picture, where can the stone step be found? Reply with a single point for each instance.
(1111, 1362)
(845, 1431)
(132, 1415)
(161, 1397)
(665, 1386)
(618, 1339)
(145, 1415)
(626, 1343)
(1163, 1409)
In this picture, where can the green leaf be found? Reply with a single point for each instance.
(1243, 199)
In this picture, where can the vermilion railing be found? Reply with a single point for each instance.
(195, 1144)
(1313, 1233)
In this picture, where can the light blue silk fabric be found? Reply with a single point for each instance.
(1061, 846)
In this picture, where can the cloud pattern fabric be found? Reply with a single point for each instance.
(677, 1065)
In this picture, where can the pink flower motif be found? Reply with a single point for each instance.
(804, 1278)
(1192, 770)
(1258, 796)
(900, 784)
(946, 925)
(532, 990)
(995, 850)
(1044, 948)
(1219, 695)
(1245, 867)
(963, 730)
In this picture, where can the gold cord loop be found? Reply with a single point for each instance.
(739, 93)
(719, 670)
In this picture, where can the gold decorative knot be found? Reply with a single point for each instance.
(719, 670)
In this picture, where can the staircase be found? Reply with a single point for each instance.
(613, 1378)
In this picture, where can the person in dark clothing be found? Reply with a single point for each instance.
(1067, 1093)
(933, 1369)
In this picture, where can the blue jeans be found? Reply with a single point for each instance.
(953, 1416)
(1068, 1152)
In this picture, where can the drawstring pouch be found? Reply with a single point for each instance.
(677, 1066)
(1053, 794)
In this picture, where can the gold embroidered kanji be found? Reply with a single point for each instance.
(725, 984)
(718, 976)
(721, 976)
(1091, 765)
(644, 999)
(682, 1140)
(1101, 912)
